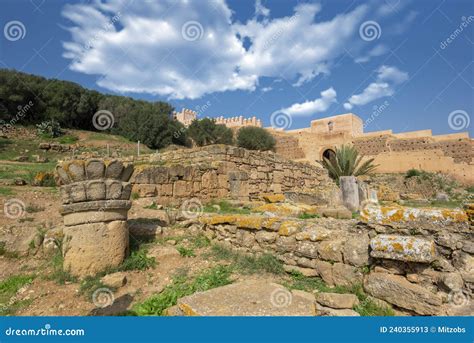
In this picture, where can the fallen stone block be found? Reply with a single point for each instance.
(248, 298)
(398, 291)
(336, 300)
(403, 248)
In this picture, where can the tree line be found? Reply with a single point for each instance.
(27, 99)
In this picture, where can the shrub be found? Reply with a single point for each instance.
(255, 138)
(347, 162)
(138, 260)
(49, 129)
(206, 131)
(412, 173)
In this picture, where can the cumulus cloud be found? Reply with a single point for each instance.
(186, 49)
(308, 108)
(387, 78)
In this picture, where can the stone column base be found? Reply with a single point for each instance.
(92, 248)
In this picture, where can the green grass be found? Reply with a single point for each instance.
(59, 275)
(224, 207)
(90, 284)
(181, 287)
(470, 189)
(135, 196)
(186, 252)
(8, 288)
(153, 206)
(247, 264)
(308, 216)
(25, 171)
(6, 191)
(138, 260)
(67, 139)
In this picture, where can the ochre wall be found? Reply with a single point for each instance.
(451, 154)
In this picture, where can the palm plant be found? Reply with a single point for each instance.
(346, 162)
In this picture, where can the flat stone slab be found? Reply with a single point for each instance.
(403, 248)
(249, 298)
(397, 214)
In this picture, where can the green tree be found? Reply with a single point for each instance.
(255, 138)
(206, 131)
(346, 162)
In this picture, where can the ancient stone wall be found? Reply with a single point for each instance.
(221, 171)
(419, 261)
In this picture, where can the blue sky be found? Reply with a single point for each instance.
(409, 62)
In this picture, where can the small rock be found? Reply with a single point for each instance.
(336, 300)
(115, 280)
(171, 242)
(327, 311)
(452, 281)
(440, 196)
(20, 182)
(304, 271)
(160, 252)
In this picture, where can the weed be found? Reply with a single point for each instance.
(153, 206)
(181, 287)
(186, 252)
(309, 215)
(90, 284)
(135, 196)
(138, 260)
(59, 275)
(6, 191)
(8, 288)
(248, 264)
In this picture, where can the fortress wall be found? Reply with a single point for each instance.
(450, 154)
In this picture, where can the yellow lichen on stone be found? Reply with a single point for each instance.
(288, 228)
(187, 310)
(273, 198)
(249, 222)
(218, 219)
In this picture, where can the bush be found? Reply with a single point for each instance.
(346, 162)
(49, 129)
(206, 131)
(412, 173)
(255, 138)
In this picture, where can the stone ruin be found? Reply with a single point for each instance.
(95, 201)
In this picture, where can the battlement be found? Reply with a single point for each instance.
(186, 116)
(238, 121)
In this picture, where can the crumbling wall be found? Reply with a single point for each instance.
(419, 261)
(221, 171)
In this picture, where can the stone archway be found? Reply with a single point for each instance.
(329, 154)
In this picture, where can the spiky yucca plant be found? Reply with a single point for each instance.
(347, 162)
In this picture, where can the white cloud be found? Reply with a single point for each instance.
(144, 51)
(308, 108)
(378, 50)
(260, 9)
(267, 89)
(387, 78)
